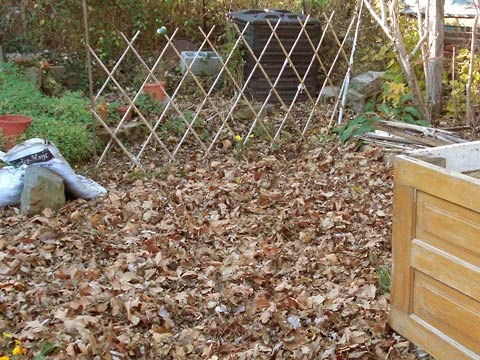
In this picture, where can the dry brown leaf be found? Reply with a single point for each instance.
(366, 292)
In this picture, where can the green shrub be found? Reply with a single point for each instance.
(72, 107)
(17, 96)
(403, 111)
(44, 21)
(65, 121)
(457, 103)
(73, 139)
(149, 105)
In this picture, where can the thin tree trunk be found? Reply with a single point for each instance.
(470, 71)
(435, 61)
(408, 70)
(404, 58)
(423, 31)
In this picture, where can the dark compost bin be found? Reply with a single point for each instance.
(257, 35)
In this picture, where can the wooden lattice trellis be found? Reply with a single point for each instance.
(226, 125)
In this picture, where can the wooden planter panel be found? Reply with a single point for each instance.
(435, 300)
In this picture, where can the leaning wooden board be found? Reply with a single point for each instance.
(435, 299)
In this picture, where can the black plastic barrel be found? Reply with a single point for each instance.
(257, 35)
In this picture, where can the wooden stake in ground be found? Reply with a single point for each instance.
(346, 82)
(90, 76)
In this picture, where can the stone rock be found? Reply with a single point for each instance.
(389, 159)
(354, 95)
(330, 92)
(33, 76)
(243, 112)
(368, 83)
(357, 101)
(362, 88)
(42, 189)
(57, 72)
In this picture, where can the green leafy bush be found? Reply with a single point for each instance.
(73, 139)
(44, 21)
(65, 120)
(402, 111)
(149, 105)
(17, 96)
(457, 103)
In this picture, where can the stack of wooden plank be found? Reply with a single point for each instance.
(399, 136)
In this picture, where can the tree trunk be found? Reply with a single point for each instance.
(435, 60)
(470, 71)
(408, 70)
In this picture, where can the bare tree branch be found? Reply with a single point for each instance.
(377, 18)
(423, 31)
(418, 46)
(384, 11)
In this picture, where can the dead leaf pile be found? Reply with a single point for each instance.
(275, 257)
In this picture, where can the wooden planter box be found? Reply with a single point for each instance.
(435, 299)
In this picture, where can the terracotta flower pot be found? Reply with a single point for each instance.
(122, 110)
(13, 126)
(156, 90)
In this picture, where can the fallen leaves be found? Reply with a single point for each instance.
(275, 257)
(366, 292)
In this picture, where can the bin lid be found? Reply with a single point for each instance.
(262, 16)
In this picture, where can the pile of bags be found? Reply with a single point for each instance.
(41, 153)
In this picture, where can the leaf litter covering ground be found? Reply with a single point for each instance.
(272, 258)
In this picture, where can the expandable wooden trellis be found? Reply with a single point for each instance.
(208, 98)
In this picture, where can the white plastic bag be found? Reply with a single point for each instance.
(41, 153)
(11, 185)
(74, 184)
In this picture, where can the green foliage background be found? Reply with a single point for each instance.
(456, 106)
(58, 24)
